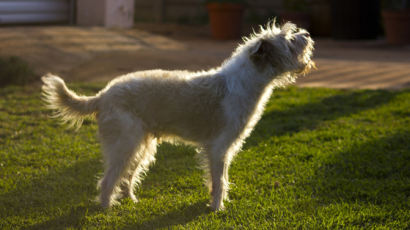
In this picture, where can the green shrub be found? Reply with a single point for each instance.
(396, 4)
(15, 71)
(296, 5)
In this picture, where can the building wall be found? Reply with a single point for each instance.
(108, 13)
(35, 11)
(90, 14)
(119, 13)
(194, 11)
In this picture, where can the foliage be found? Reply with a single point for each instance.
(257, 18)
(396, 4)
(295, 5)
(226, 1)
(15, 71)
(318, 159)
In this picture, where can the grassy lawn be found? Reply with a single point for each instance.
(318, 159)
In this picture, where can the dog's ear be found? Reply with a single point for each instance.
(260, 53)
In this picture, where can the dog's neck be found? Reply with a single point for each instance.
(249, 89)
(242, 78)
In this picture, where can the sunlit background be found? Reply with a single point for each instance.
(359, 44)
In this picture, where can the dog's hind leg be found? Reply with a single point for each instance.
(139, 165)
(121, 137)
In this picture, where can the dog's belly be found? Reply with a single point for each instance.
(194, 118)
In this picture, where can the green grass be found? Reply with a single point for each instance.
(318, 159)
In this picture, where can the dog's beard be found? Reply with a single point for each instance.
(307, 68)
(307, 64)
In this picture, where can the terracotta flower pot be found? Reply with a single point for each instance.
(225, 20)
(397, 26)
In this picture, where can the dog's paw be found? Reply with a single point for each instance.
(133, 198)
(217, 207)
(124, 195)
(107, 202)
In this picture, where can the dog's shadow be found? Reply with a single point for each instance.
(75, 216)
(72, 186)
(69, 187)
(174, 218)
(71, 219)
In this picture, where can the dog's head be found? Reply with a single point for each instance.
(285, 50)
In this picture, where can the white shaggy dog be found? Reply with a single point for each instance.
(215, 110)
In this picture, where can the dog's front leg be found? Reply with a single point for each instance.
(220, 154)
(220, 183)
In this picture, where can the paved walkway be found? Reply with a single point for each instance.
(98, 54)
(360, 64)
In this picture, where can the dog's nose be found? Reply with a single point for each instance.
(306, 34)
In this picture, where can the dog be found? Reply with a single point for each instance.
(215, 110)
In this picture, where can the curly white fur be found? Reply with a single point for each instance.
(214, 110)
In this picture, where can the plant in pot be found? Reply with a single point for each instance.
(225, 17)
(355, 19)
(321, 18)
(296, 11)
(396, 18)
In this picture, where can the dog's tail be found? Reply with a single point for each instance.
(68, 106)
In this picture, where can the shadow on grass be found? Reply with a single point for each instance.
(310, 115)
(73, 219)
(377, 172)
(175, 163)
(63, 198)
(53, 193)
(175, 217)
(382, 160)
